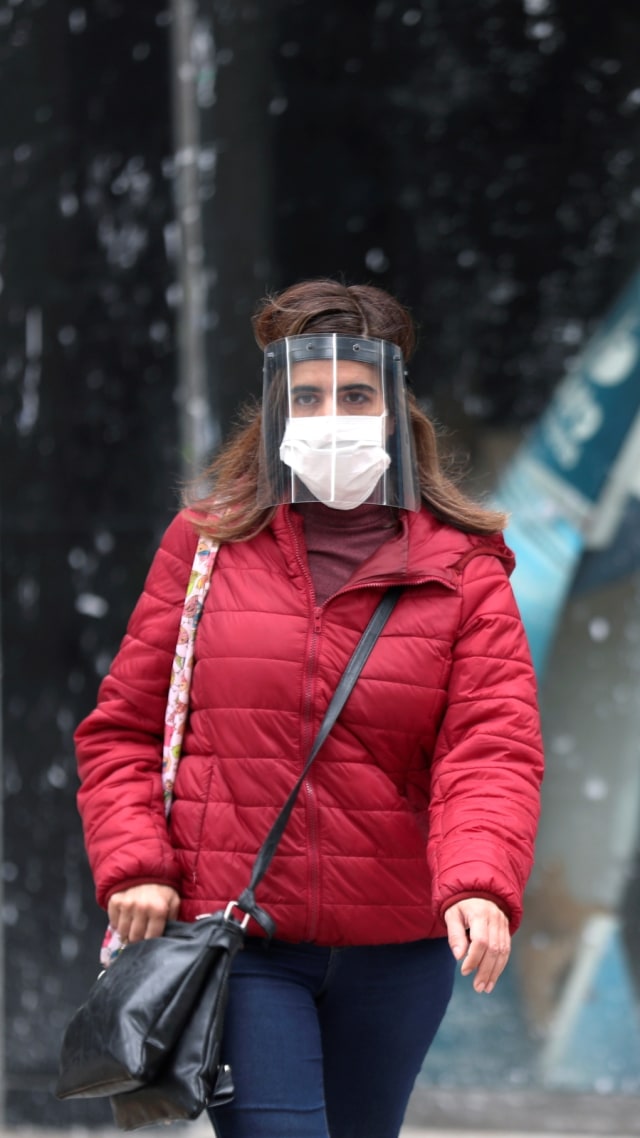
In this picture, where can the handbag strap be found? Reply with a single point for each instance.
(246, 901)
(177, 708)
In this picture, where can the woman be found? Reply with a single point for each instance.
(411, 845)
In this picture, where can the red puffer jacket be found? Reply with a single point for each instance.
(425, 793)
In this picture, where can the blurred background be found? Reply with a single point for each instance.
(163, 164)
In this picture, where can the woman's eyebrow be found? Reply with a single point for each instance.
(298, 387)
(343, 385)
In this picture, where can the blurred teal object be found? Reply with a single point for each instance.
(567, 485)
(594, 1040)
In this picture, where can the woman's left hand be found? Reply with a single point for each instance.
(479, 936)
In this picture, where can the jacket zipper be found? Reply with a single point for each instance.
(309, 791)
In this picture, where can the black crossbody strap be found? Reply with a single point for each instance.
(246, 902)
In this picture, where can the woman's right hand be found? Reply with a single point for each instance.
(142, 912)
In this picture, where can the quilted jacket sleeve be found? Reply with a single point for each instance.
(488, 761)
(119, 745)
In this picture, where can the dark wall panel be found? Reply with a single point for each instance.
(479, 158)
(88, 459)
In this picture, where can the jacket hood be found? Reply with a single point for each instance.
(435, 542)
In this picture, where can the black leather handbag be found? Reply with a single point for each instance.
(149, 1033)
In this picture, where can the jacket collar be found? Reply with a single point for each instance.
(423, 549)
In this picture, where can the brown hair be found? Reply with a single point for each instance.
(353, 310)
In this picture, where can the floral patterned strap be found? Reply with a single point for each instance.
(178, 699)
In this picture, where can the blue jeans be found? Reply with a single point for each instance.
(327, 1042)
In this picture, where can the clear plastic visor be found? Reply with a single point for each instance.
(336, 425)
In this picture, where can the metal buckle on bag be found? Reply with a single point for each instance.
(228, 915)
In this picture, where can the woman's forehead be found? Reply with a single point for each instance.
(321, 373)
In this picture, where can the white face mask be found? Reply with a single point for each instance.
(339, 458)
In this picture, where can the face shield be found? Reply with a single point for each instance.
(336, 424)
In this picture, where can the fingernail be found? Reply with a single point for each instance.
(479, 987)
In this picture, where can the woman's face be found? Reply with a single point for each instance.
(354, 389)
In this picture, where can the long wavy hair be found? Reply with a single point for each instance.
(354, 310)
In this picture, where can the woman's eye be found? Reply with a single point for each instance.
(357, 401)
(305, 399)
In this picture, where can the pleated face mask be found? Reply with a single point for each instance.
(339, 458)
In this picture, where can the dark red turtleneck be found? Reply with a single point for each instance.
(339, 541)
